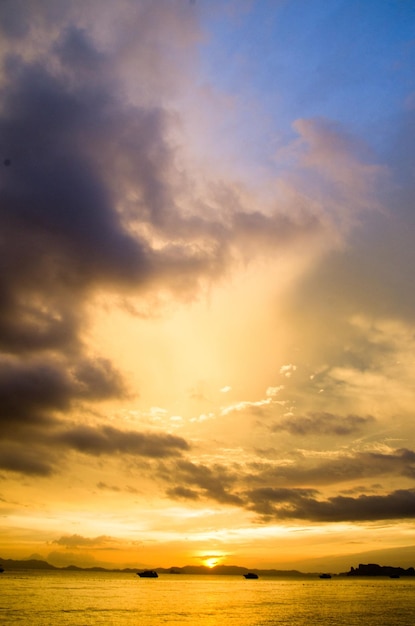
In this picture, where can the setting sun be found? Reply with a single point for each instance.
(212, 559)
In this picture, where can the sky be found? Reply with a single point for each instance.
(207, 287)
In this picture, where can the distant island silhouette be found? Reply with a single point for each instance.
(37, 564)
(229, 570)
(372, 569)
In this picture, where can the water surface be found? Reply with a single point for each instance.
(83, 598)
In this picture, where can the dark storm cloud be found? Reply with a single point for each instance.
(34, 396)
(79, 153)
(34, 390)
(91, 178)
(408, 456)
(39, 452)
(291, 491)
(195, 481)
(73, 148)
(14, 22)
(28, 458)
(324, 424)
(108, 440)
(41, 449)
(270, 502)
(56, 205)
(76, 51)
(303, 504)
(183, 493)
(343, 468)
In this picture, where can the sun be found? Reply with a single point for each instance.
(211, 558)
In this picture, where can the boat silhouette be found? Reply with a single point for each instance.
(148, 573)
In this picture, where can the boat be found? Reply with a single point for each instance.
(325, 576)
(394, 576)
(148, 573)
(251, 576)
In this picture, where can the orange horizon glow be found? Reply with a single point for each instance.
(210, 560)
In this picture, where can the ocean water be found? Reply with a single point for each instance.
(114, 599)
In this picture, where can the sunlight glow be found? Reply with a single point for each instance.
(210, 558)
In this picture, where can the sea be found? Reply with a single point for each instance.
(69, 598)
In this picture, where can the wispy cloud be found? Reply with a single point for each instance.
(324, 424)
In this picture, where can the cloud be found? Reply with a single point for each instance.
(255, 407)
(320, 468)
(284, 490)
(89, 185)
(13, 23)
(183, 493)
(199, 481)
(28, 459)
(288, 370)
(348, 177)
(78, 150)
(271, 392)
(108, 440)
(93, 198)
(324, 424)
(94, 184)
(77, 541)
(367, 279)
(303, 504)
(128, 489)
(51, 443)
(36, 396)
(34, 390)
(63, 232)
